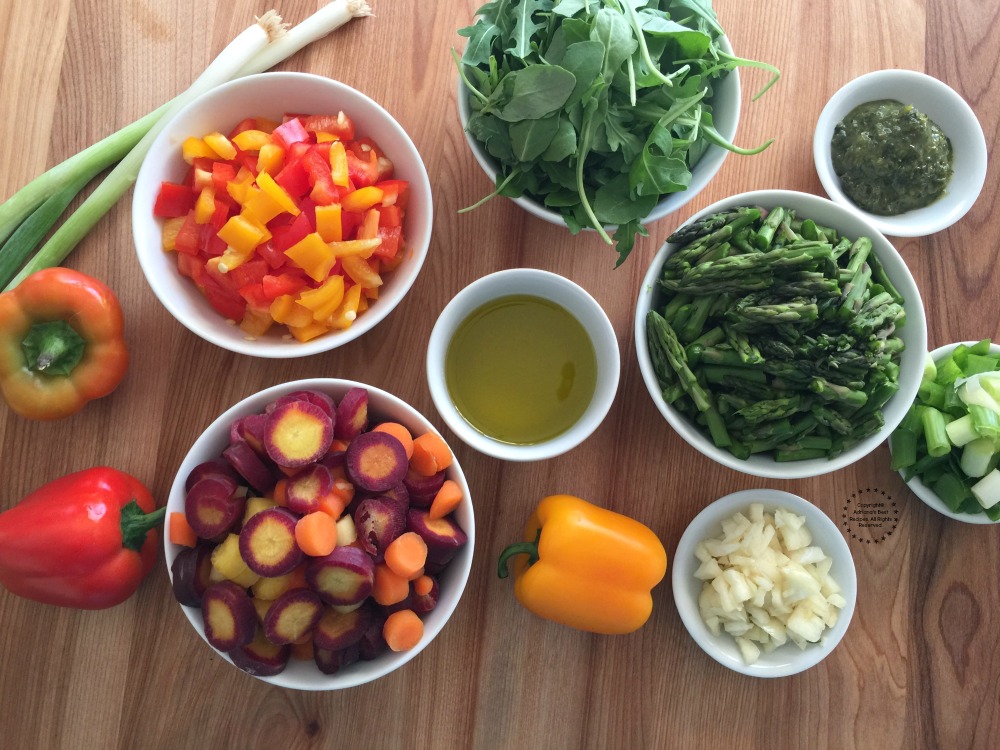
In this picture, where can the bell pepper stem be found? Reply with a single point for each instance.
(136, 523)
(53, 348)
(519, 548)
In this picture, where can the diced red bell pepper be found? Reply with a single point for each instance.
(189, 265)
(222, 174)
(274, 286)
(225, 302)
(249, 123)
(389, 246)
(362, 172)
(390, 216)
(173, 200)
(350, 221)
(188, 240)
(394, 192)
(284, 237)
(293, 178)
(339, 125)
(289, 132)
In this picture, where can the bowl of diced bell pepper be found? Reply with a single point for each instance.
(281, 215)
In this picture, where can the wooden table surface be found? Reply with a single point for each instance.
(919, 665)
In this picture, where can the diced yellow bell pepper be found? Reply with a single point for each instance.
(241, 234)
(371, 293)
(358, 248)
(256, 322)
(237, 188)
(362, 199)
(325, 299)
(285, 309)
(251, 140)
(277, 193)
(170, 229)
(338, 164)
(358, 269)
(308, 331)
(345, 315)
(369, 226)
(202, 179)
(226, 262)
(194, 148)
(363, 302)
(260, 206)
(271, 158)
(323, 137)
(329, 224)
(221, 145)
(313, 256)
(204, 207)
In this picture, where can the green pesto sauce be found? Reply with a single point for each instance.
(891, 158)
(521, 369)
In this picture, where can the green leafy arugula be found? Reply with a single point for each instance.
(596, 108)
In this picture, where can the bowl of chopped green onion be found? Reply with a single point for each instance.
(780, 334)
(947, 447)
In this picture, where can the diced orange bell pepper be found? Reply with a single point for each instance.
(251, 140)
(204, 207)
(195, 148)
(358, 248)
(360, 271)
(241, 234)
(277, 193)
(369, 227)
(338, 164)
(313, 256)
(325, 299)
(256, 322)
(345, 315)
(362, 199)
(259, 206)
(170, 229)
(270, 159)
(285, 309)
(221, 145)
(309, 331)
(238, 187)
(329, 223)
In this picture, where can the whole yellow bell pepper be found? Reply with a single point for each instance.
(586, 567)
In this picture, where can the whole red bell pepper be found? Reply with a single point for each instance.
(85, 540)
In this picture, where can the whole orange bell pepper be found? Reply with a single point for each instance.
(61, 343)
(586, 567)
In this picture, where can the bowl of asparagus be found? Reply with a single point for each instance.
(780, 334)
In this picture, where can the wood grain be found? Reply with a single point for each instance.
(918, 667)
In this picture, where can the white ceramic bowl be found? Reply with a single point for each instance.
(272, 95)
(942, 105)
(556, 289)
(787, 659)
(382, 406)
(914, 334)
(725, 103)
(925, 493)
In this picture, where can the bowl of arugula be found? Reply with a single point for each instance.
(601, 117)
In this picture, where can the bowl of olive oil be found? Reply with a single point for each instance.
(523, 365)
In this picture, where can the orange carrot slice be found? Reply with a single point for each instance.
(406, 555)
(423, 585)
(389, 588)
(430, 455)
(403, 630)
(446, 500)
(399, 432)
(180, 531)
(316, 534)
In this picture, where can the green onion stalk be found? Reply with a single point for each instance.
(28, 215)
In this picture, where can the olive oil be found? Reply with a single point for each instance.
(521, 369)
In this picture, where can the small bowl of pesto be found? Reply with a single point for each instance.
(902, 148)
(523, 365)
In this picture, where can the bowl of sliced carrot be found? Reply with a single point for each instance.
(319, 534)
(282, 215)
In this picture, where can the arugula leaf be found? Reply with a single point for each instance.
(596, 109)
(525, 26)
(537, 91)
